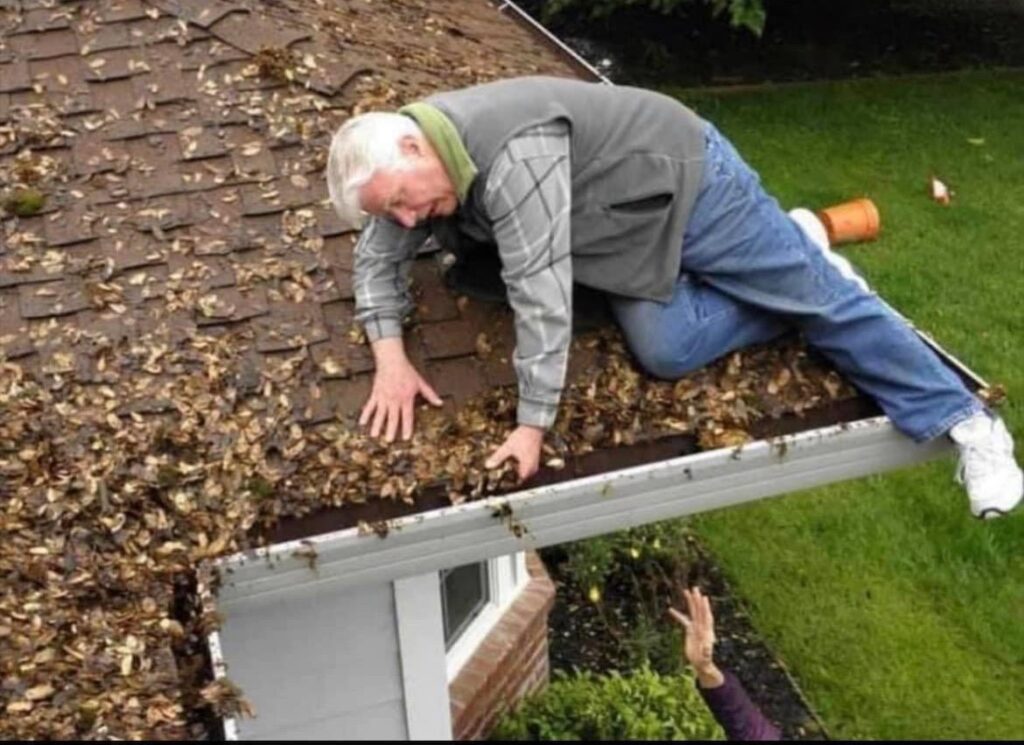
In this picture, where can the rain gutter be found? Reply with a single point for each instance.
(551, 41)
(572, 510)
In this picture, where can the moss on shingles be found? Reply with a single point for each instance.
(24, 202)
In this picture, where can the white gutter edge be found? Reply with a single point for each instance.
(220, 672)
(542, 30)
(571, 510)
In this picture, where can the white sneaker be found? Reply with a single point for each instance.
(994, 481)
(815, 230)
(810, 224)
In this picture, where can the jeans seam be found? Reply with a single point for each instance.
(727, 313)
(951, 421)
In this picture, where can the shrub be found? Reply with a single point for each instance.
(747, 14)
(641, 706)
(654, 550)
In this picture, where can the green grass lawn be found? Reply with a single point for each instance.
(900, 615)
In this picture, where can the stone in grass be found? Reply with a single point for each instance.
(24, 202)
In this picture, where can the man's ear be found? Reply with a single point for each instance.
(410, 146)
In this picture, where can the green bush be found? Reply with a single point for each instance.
(641, 706)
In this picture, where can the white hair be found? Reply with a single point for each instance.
(361, 147)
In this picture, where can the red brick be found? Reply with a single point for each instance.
(471, 731)
(531, 644)
(467, 730)
(521, 614)
(536, 569)
(468, 685)
(513, 659)
(458, 708)
(535, 625)
(538, 598)
(535, 655)
(502, 672)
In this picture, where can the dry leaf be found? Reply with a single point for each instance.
(940, 192)
(39, 692)
(483, 346)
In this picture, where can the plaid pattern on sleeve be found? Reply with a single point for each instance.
(380, 277)
(528, 197)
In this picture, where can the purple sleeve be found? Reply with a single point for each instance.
(737, 714)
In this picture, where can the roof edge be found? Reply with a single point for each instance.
(571, 510)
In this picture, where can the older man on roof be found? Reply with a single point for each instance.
(629, 192)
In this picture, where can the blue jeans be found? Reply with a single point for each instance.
(749, 273)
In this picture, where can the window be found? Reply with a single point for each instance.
(465, 591)
(473, 598)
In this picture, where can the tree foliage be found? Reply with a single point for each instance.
(749, 14)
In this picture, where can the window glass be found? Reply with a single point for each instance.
(464, 592)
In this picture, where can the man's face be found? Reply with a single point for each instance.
(414, 193)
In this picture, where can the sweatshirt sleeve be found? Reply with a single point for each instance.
(528, 198)
(380, 280)
(733, 709)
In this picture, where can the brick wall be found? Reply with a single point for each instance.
(511, 662)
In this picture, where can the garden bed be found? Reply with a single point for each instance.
(624, 623)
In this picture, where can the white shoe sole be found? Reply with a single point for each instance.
(991, 513)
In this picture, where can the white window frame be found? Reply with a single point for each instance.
(482, 571)
(507, 576)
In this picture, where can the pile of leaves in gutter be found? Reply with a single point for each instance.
(105, 512)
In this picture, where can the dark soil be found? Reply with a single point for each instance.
(802, 40)
(609, 635)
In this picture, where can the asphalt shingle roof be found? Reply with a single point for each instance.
(178, 365)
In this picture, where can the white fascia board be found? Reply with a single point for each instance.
(573, 510)
(421, 649)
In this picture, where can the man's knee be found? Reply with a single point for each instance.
(664, 361)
